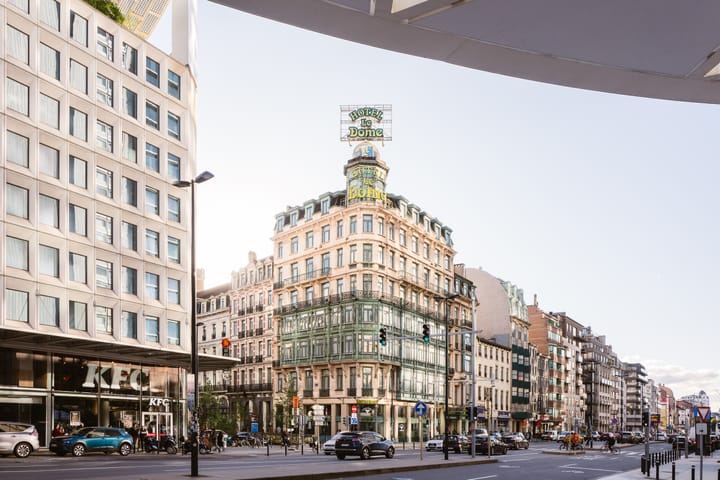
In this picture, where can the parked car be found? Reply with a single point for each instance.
(638, 437)
(93, 439)
(561, 436)
(497, 446)
(661, 436)
(363, 444)
(329, 446)
(626, 437)
(20, 439)
(681, 439)
(516, 441)
(549, 435)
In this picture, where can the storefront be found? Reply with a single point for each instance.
(47, 389)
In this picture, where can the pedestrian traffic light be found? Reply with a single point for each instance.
(226, 347)
(426, 333)
(383, 337)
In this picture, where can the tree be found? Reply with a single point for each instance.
(284, 406)
(215, 413)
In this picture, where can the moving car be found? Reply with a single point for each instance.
(661, 436)
(516, 441)
(497, 446)
(93, 439)
(329, 446)
(561, 436)
(549, 435)
(363, 444)
(456, 443)
(20, 439)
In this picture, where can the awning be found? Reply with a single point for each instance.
(115, 351)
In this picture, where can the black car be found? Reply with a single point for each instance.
(497, 446)
(93, 439)
(364, 445)
(516, 441)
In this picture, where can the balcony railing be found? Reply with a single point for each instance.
(258, 358)
(324, 392)
(381, 392)
(300, 278)
(367, 392)
(258, 331)
(308, 393)
(352, 392)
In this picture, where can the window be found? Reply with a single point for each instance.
(16, 253)
(294, 245)
(17, 149)
(129, 102)
(173, 291)
(78, 124)
(173, 332)
(78, 172)
(173, 249)
(104, 136)
(17, 305)
(339, 255)
(49, 161)
(78, 315)
(309, 212)
(49, 310)
(78, 28)
(103, 319)
(103, 228)
(152, 286)
(173, 207)
(325, 205)
(129, 58)
(49, 13)
(104, 182)
(104, 90)
(309, 239)
(78, 268)
(105, 42)
(293, 218)
(325, 233)
(103, 274)
(129, 191)
(173, 166)
(152, 243)
(16, 201)
(129, 324)
(77, 220)
(129, 147)
(49, 211)
(17, 96)
(129, 236)
(174, 84)
(353, 224)
(49, 261)
(152, 201)
(49, 111)
(23, 5)
(129, 280)
(152, 157)
(78, 76)
(49, 61)
(367, 223)
(152, 72)
(152, 115)
(152, 329)
(16, 44)
(173, 125)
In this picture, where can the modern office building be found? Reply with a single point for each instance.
(348, 264)
(601, 370)
(96, 125)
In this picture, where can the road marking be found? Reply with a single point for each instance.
(572, 471)
(509, 466)
(483, 478)
(592, 469)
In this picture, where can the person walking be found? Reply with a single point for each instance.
(220, 440)
(134, 434)
(142, 435)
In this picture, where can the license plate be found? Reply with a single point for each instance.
(344, 444)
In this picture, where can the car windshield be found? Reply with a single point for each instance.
(82, 431)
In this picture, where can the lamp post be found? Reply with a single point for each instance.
(446, 299)
(194, 360)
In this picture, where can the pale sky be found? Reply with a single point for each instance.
(604, 206)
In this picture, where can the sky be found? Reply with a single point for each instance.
(603, 206)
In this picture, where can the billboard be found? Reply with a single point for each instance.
(365, 123)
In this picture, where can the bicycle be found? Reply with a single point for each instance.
(609, 448)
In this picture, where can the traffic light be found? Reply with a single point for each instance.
(645, 419)
(426, 333)
(226, 347)
(383, 337)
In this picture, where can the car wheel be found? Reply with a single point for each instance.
(22, 450)
(390, 452)
(340, 456)
(124, 449)
(78, 450)
(328, 453)
(365, 453)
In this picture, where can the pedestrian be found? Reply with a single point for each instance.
(58, 431)
(134, 434)
(220, 441)
(142, 435)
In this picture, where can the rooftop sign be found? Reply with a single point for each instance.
(365, 122)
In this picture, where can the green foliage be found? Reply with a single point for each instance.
(108, 8)
(214, 413)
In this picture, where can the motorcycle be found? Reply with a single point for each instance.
(203, 447)
(166, 444)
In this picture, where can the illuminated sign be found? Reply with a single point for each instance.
(368, 122)
(115, 378)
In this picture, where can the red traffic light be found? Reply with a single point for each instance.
(226, 343)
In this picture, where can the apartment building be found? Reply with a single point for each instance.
(347, 264)
(96, 126)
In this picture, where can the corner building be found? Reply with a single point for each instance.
(347, 264)
(95, 126)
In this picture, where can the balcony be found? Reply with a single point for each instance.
(305, 277)
(258, 331)
(260, 308)
(381, 392)
(241, 334)
(276, 363)
(352, 392)
(308, 393)
(250, 309)
(324, 392)
(258, 358)
(367, 392)
(249, 359)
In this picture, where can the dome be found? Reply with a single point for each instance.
(367, 150)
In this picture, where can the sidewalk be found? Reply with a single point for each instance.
(683, 469)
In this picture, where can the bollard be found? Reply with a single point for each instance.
(692, 472)
(285, 449)
(268, 447)
(642, 464)
(657, 471)
(673, 471)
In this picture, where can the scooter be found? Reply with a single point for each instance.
(166, 443)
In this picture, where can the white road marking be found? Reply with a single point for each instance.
(483, 478)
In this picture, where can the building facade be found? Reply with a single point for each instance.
(347, 264)
(96, 126)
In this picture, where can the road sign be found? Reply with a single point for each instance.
(701, 428)
(353, 421)
(420, 409)
(703, 413)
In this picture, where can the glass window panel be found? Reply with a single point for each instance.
(17, 96)
(129, 58)
(173, 332)
(49, 211)
(16, 44)
(173, 291)
(49, 260)
(129, 147)
(17, 305)
(152, 286)
(103, 228)
(17, 149)
(104, 182)
(104, 90)
(49, 161)
(78, 315)
(129, 324)
(105, 42)
(21, 4)
(16, 253)
(152, 115)
(78, 267)
(129, 236)
(152, 201)
(49, 310)
(49, 111)
(173, 125)
(78, 124)
(104, 136)
(130, 102)
(16, 201)
(174, 249)
(78, 76)
(129, 280)
(103, 319)
(78, 28)
(152, 329)
(129, 191)
(103, 274)
(173, 167)
(174, 84)
(152, 71)
(77, 221)
(49, 13)
(152, 157)
(78, 172)
(152, 243)
(173, 208)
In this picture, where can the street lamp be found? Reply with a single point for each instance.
(446, 299)
(194, 360)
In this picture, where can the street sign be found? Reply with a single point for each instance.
(420, 409)
(703, 413)
(701, 428)
(353, 421)
(254, 427)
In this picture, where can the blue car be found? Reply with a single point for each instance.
(93, 439)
